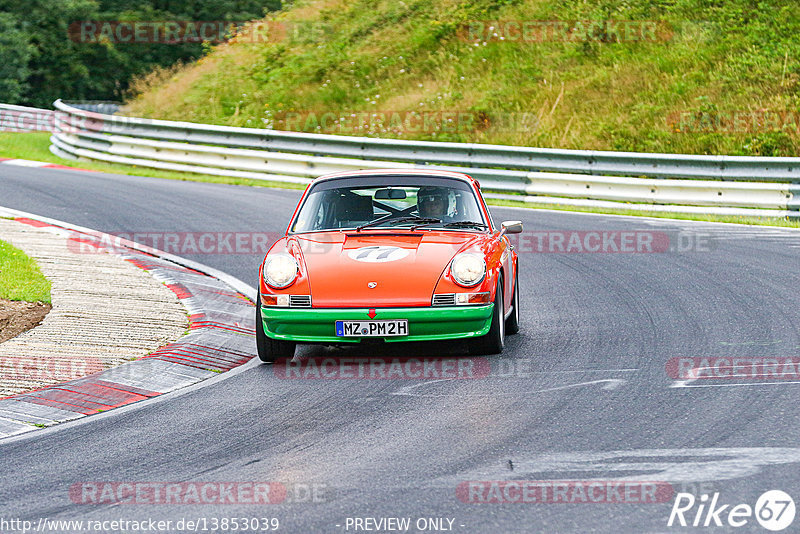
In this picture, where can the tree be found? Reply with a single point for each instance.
(15, 53)
(57, 64)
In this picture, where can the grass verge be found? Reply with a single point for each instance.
(732, 219)
(34, 146)
(20, 277)
(714, 77)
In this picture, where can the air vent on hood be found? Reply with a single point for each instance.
(300, 301)
(446, 299)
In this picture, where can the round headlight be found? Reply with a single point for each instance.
(468, 269)
(280, 270)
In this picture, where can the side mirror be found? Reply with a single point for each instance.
(512, 227)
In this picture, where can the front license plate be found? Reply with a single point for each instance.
(397, 327)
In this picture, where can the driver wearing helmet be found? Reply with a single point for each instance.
(433, 202)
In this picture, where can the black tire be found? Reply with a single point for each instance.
(512, 323)
(494, 340)
(270, 349)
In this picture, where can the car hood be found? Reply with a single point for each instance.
(377, 269)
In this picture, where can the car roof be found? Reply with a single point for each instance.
(399, 171)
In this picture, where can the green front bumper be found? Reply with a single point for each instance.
(317, 325)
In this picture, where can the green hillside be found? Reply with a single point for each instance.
(687, 76)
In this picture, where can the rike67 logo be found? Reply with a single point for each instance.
(774, 510)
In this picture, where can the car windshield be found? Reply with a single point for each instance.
(390, 202)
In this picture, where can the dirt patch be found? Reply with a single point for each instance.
(18, 317)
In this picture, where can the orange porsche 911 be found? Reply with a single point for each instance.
(391, 255)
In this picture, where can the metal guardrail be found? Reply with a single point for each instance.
(666, 182)
(25, 119)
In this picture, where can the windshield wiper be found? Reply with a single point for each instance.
(465, 224)
(392, 218)
(457, 224)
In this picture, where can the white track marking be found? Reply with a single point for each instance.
(584, 371)
(25, 163)
(678, 385)
(664, 465)
(685, 383)
(407, 391)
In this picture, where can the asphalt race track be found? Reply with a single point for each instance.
(581, 393)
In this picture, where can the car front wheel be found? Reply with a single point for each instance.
(270, 349)
(494, 340)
